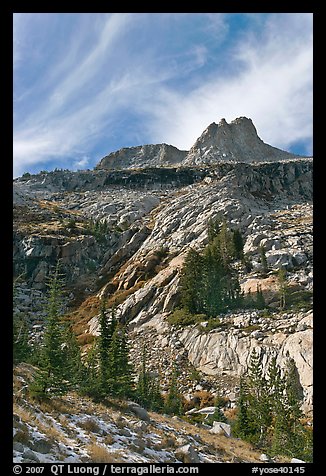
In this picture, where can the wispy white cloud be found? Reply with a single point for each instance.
(121, 66)
(273, 87)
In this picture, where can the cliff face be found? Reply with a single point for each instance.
(154, 216)
(237, 141)
(157, 155)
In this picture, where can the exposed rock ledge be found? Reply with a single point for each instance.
(229, 352)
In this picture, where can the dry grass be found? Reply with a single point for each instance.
(99, 454)
(220, 444)
(56, 405)
(85, 339)
(120, 296)
(84, 313)
(24, 414)
(108, 440)
(90, 425)
(22, 436)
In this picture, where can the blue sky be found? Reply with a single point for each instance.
(86, 84)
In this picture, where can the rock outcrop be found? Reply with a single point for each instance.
(157, 155)
(156, 209)
(237, 141)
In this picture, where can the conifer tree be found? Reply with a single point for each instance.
(263, 260)
(143, 384)
(173, 403)
(121, 371)
(73, 367)
(21, 348)
(259, 398)
(191, 282)
(148, 388)
(238, 243)
(283, 287)
(243, 425)
(225, 244)
(51, 376)
(260, 300)
(104, 342)
(213, 229)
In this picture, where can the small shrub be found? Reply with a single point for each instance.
(22, 436)
(213, 323)
(99, 454)
(182, 317)
(85, 339)
(194, 375)
(90, 425)
(252, 328)
(205, 398)
(108, 440)
(162, 252)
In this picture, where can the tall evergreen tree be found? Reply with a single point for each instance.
(73, 368)
(226, 244)
(51, 377)
(213, 228)
(148, 388)
(121, 371)
(263, 260)
(260, 300)
(191, 282)
(173, 402)
(21, 347)
(258, 398)
(104, 342)
(238, 243)
(283, 287)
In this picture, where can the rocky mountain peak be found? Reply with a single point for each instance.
(150, 155)
(235, 141)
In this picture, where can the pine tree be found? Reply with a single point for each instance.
(73, 363)
(148, 388)
(263, 260)
(173, 403)
(212, 289)
(191, 282)
(143, 384)
(91, 383)
(260, 415)
(225, 244)
(213, 229)
(260, 300)
(283, 287)
(104, 342)
(238, 243)
(21, 348)
(242, 427)
(121, 371)
(51, 376)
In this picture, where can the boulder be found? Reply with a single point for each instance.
(187, 454)
(17, 446)
(139, 411)
(221, 428)
(41, 446)
(30, 455)
(264, 458)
